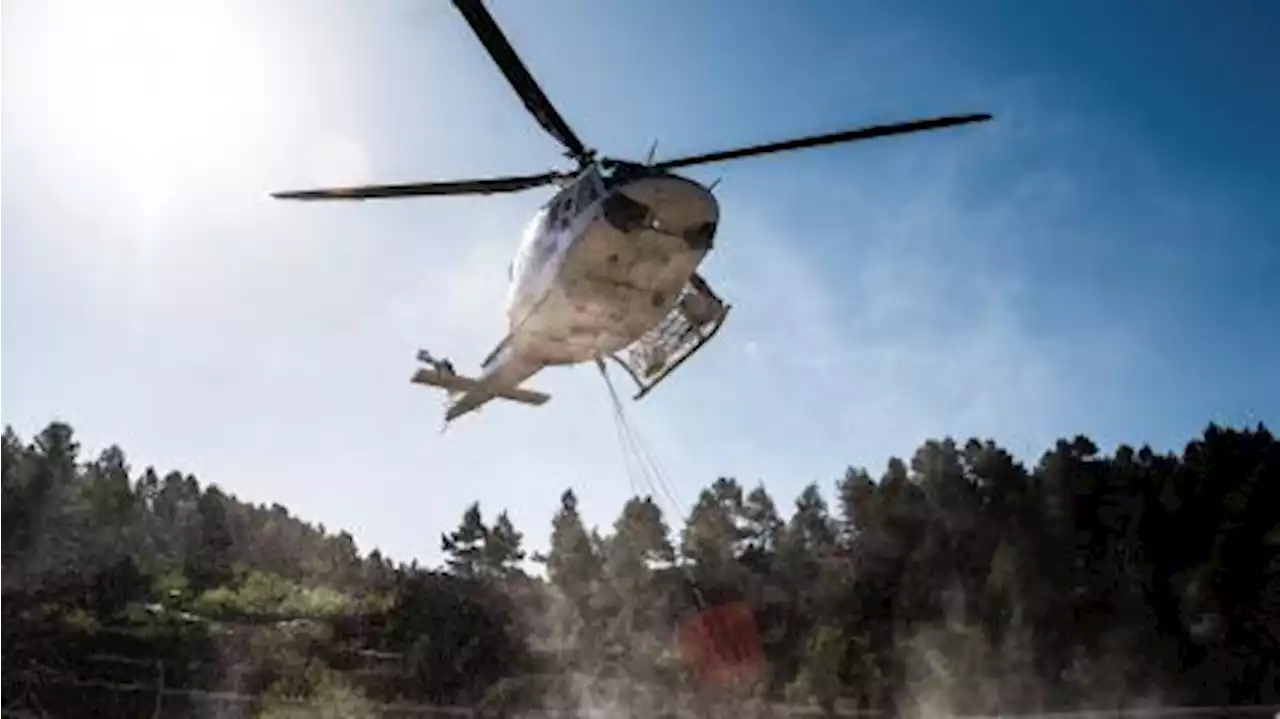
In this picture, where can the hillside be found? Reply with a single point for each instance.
(958, 575)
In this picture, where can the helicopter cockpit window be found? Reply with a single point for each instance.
(587, 193)
(528, 240)
(566, 211)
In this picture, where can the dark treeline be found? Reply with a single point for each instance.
(961, 577)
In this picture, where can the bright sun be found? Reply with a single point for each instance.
(154, 91)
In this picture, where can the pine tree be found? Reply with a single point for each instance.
(573, 563)
(209, 561)
(503, 551)
(466, 545)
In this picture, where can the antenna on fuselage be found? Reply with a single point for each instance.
(648, 160)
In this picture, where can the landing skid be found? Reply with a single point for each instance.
(694, 320)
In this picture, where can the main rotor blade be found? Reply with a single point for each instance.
(864, 133)
(417, 189)
(518, 75)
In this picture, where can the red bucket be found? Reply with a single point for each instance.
(723, 644)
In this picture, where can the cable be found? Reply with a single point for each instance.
(640, 453)
(633, 448)
(713, 626)
(630, 439)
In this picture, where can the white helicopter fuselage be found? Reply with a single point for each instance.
(602, 263)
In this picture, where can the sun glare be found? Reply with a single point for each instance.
(154, 93)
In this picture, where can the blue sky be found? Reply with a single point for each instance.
(1101, 259)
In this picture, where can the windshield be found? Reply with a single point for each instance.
(528, 242)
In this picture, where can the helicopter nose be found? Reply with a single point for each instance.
(671, 205)
(701, 236)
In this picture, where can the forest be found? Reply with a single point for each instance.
(960, 579)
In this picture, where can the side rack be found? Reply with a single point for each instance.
(691, 323)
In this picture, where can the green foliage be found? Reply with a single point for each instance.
(825, 651)
(270, 595)
(81, 621)
(475, 550)
(322, 694)
(960, 578)
(173, 589)
(503, 551)
(574, 564)
(465, 546)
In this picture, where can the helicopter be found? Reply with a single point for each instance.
(608, 267)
